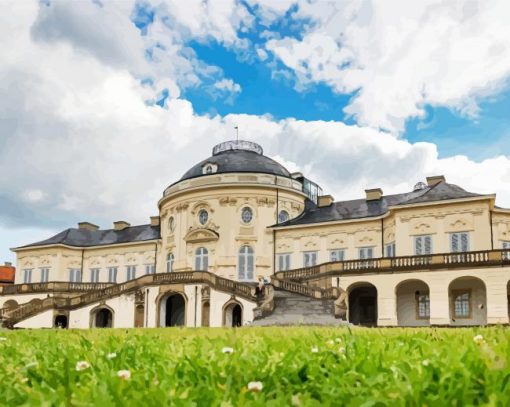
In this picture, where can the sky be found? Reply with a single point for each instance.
(105, 103)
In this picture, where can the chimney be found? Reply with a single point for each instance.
(155, 221)
(374, 194)
(8, 264)
(120, 225)
(325, 200)
(436, 179)
(88, 226)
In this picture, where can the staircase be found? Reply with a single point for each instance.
(296, 309)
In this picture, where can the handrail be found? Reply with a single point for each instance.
(479, 258)
(23, 311)
(308, 291)
(54, 286)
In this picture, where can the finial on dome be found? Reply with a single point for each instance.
(237, 145)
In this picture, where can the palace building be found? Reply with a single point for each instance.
(239, 240)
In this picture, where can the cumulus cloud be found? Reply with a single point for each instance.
(79, 141)
(398, 56)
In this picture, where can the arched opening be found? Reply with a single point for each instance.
(413, 303)
(103, 318)
(468, 301)
(206, 313)
(363, 305)
(201, 259)
(233, 315)
(172, 310)
(139, 315)
(61, 321)
(246, 266)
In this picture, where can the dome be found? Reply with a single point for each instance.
(236, 156)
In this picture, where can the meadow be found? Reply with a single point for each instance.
(301, 366)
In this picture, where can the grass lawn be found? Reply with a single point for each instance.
(299, 366)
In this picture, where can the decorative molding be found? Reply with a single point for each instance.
(200, 235)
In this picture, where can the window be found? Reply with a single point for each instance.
(74, 275)
(462, 304)
(208, 169)
(389, 250)
(284, 262)
(246, 215)
(336, 255)
(203, 216)
(45, 272)
(112, 274)
(171, 224)
(459, 242)
(170, 262)
(423, 244)
(309, 259)
(422, 305)
(366, 253)
(505, 246)
(201, 259)
(27, 276)
(150, 269)
(94, 275)
(130, 272)
(246, 264)
(283, 216)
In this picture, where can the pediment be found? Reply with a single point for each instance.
(200, 235)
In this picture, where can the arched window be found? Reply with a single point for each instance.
(201, 259)
(208, 169)
(203, 216)
(170, 262)
(283, 216)
(246, 264)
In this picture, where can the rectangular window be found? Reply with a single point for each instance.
(309, 259)
(150, 269)
(27, 276)
(459, 242)
(130, 272)
(423, 306)
(422, 245)
(462, 304)
(112, 274)
(45, 272)
(284, 262)
(366, 253)
(94, 275)
(336, 255)
(74, 276)
(505, 245)
(389, 250)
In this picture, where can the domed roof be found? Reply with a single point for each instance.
(237, 156)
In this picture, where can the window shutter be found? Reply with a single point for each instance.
(361, 254)
(464, 242)
(418, 245)
(370, 253)
(428, 244)
(250, 267)
(454, 242)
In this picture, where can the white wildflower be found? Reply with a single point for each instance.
(3, 338)
(295, 401)
(227, 350)
(330, 342)
(425, 362)
(31, 365)
(255, 386)
(478, 339)
(82, 365)
(315, 349)
(111, 356)
(338, 340)
(124, 374)
(341, 350)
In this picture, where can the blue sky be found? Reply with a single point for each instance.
(103, 104)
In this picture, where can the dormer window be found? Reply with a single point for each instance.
(209, 168)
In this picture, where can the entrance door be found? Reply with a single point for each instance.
(363, 306)
(139, 316)
(237, 316)
(175, 307)
(206, 311)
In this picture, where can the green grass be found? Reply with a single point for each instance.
(187, 367)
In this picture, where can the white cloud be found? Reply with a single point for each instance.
(76, 128)
(400, 55)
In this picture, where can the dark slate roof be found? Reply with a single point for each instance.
(87, 238)
(238, 161)
(360, 208)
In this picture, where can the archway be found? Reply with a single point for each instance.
(139, 315)
(363, 304)
(413, 303)
(468, 301)
(61, 321)
(206, 312)
(172, 310)
(103, 318)
(233, 315)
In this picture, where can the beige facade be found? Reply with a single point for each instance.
(219, 231)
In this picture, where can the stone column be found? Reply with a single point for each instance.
(439, 301)
(497, 297)
(386, 305)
